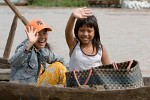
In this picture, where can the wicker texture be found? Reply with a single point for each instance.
(110, 78)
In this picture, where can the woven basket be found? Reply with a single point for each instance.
(106, 75)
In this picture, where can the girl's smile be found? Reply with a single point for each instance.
(41, 42)
(86, 34)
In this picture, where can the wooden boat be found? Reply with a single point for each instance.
(15, 91)
(9, 90)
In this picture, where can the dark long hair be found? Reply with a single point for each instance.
(48, 46)
(90, 21)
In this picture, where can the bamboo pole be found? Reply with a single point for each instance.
(4, 60)
(10, 38)
(13, 28)
(16, 11)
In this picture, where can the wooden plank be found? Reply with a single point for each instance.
(10, 38)
(31, 92)
(4, 74)
(4, 63)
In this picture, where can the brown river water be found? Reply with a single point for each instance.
(124, 32)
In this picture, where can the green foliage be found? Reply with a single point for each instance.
(59, 3)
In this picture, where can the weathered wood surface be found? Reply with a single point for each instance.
(30, 92)
(4, 74)
(4, 63)
(4, 70)
(16, 91)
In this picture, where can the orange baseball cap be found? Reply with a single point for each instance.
(38, 24)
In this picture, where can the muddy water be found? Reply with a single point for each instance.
(124, 32)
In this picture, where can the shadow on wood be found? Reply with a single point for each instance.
(31, 92)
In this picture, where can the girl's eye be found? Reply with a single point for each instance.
(45, 33)
(81, 30)
(89, 31)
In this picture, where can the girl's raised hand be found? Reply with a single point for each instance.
(32, 34)
(82, 12)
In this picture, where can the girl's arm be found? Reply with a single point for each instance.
(77, 13)
(20, 54)
(70, 39)
(24, 48)
(105, 59)
(32, 36)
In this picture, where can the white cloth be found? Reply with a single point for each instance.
(135, 4)
(79, 60)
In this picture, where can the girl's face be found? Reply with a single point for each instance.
(42, 39)
(86, 34)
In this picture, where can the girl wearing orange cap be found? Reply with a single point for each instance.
(29, 63)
